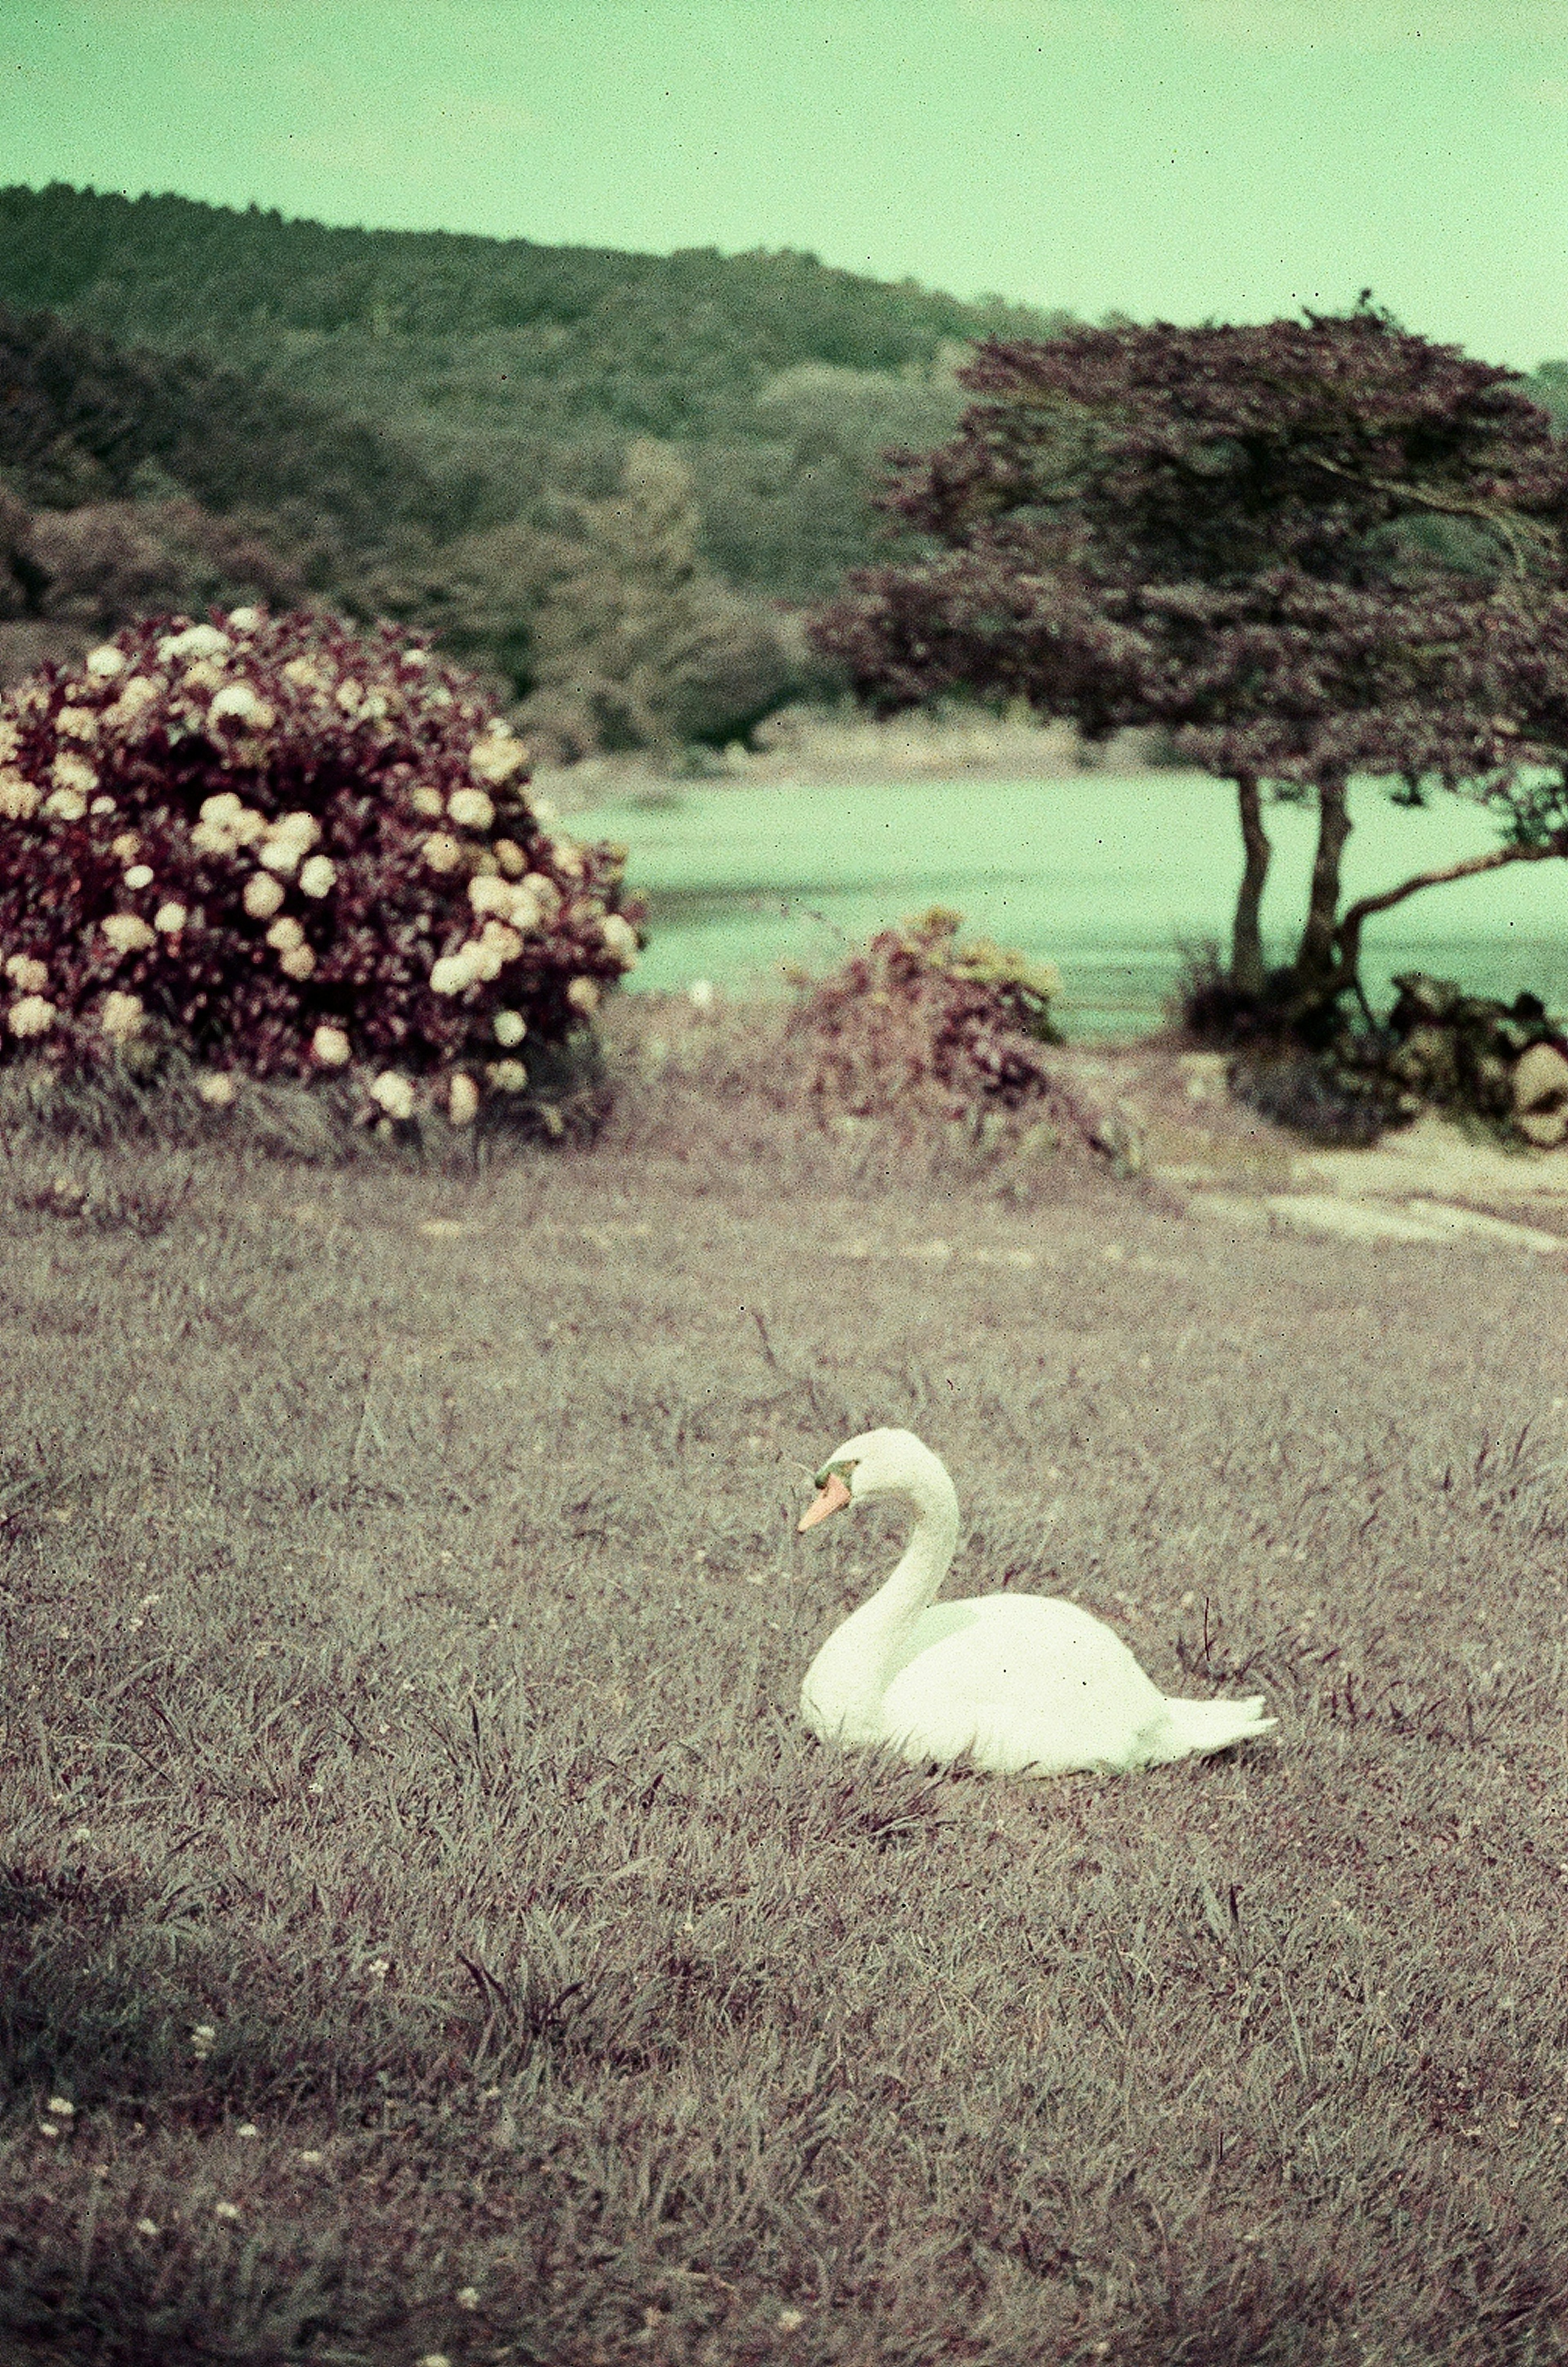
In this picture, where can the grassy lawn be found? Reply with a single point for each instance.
(417, 1880)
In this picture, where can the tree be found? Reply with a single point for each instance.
(633, 643)
(1308, 548)
(787, 506)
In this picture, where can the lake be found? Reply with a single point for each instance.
(1106, 876)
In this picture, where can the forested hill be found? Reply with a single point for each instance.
(664, 345)
(592, 475)
(84, 419)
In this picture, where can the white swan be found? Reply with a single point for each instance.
(1015, 1681)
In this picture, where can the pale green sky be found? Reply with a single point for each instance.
(1180, 158)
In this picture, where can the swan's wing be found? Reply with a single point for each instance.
(1020, 1681)
(1033, 1638)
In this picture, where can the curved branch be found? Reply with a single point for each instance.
(1348, 936)
(1513, 529)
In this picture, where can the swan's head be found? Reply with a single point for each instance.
(878, 1464)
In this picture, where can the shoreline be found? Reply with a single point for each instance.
(804, 748)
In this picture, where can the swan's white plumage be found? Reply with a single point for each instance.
(1015, 1682)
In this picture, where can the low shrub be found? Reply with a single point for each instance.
(260, 850)
(1461, 1052)
(919, 1027)
(1346, 1080)
(1345, 1102)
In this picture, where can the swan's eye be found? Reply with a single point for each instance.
(835, 1470)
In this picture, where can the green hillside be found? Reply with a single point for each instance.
(653, 345)
(594, 475)
(512, 369)
(86, 419)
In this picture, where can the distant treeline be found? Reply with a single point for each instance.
(603, 479)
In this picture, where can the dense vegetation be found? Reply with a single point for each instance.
(281, 849)
(438, 429)
(651, 343)
(593, 476)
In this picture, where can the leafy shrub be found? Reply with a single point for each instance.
(1459, 1051)
(286, 851)
(1307, 1067)
(69, 577)
(919, 1026)
(1321, 1072)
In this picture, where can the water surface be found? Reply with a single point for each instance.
(1107, 876)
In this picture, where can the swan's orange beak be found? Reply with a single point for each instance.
(833, 1499)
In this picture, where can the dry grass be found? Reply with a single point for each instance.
(403, 1624)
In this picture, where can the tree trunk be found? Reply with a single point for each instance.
(1246, 936)
(1315, 965)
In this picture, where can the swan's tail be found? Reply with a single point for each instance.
(1194, 1728)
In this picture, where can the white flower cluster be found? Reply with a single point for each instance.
(195, 641)
(33, 1015)
(238, 703)
(494, 757)
(128, 933)
(286, 938)
(620, 939)
(288, 839)
(522, 903)
(482, 959)
(74, 782)
(121, 1016)
(26, 973)
(224, 825)
(395, 1094)
(263, 896)
(441, 851)
(471, 808)
(140, 692)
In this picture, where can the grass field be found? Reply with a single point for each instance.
(419, 1888)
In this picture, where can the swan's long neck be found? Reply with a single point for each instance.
(851, 1672)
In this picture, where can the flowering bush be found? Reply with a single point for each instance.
(920, 1027)
(290, 851)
